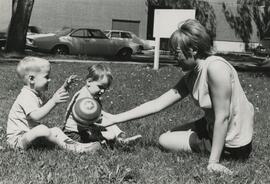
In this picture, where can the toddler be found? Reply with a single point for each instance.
(99, 79)
(24, 128)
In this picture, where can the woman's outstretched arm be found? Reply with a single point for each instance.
(145, 109)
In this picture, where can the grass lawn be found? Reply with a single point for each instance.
(145, 163)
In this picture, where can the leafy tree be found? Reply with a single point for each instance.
(261, 17)
(21, 13)
(242, 24)
(204, 11)
(248, 10)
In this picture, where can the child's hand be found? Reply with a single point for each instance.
(60, 96)
(216, 167)
(69, 81)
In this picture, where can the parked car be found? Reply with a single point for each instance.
(33, 30)
(129, 36)
(81, 41)
(30, 30)
(263, 49)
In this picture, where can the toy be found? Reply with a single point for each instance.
(86, 111)
(68, 82)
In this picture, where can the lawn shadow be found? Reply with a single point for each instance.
(42, 144)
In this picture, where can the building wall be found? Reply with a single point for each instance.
(5, 12)
(226, 40)
(228, 46)
(223, 30)
(52, 15)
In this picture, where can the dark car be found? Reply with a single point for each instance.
(263, 49)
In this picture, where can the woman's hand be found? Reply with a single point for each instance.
(107, 119)
(217, 167)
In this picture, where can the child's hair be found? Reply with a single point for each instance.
(191, 35)
(31, 64)
(98, 71)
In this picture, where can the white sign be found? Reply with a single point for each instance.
(167, 20)
(165, 23)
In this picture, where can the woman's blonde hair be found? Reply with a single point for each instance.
(191, 35)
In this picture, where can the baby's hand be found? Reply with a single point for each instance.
(216, 167)
(60, 96)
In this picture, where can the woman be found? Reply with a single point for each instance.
(227, 125)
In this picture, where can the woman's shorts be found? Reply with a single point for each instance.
(201, 140)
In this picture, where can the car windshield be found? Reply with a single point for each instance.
(63, 31)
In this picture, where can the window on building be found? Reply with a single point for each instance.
(126, 25)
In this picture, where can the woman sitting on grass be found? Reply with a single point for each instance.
(227, 126)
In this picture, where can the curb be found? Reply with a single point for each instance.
(238, 65)
(141, 62)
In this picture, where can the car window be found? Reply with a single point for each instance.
(89, 34)
(81, 33)
(97, 34)
(115, 34)
(125, 35)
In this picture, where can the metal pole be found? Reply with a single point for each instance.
(156, 58)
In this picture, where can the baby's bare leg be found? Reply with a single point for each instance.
(61, 139)
(33, 134)
(111, 132)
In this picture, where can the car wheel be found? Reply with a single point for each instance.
(60, 50)
(124, 54)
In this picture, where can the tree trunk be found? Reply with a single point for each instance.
(21, 13)
(14, 6)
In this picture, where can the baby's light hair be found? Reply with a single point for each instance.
(191, 35)
(31, 64)
(99, 71)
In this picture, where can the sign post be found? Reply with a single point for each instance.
(165, 23)
(156, 58)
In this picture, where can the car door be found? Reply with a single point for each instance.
(79, 41)
(97, 44)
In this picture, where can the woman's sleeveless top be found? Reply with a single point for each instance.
(241, 118)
